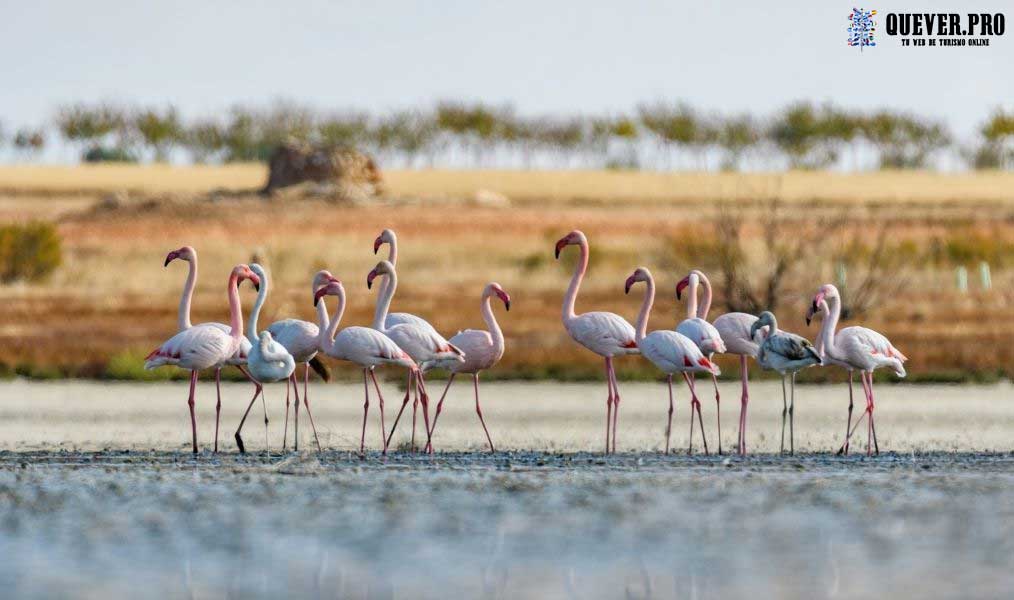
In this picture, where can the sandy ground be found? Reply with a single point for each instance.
(552, 417)
(99, 498)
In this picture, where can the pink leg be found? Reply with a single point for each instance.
(218, 404)
(616, 402)
(718, 412)
(408, 390)
(424, 399)
(288, 401)
(306, 403)
(873, 425)
(693, 398)
(295, 412)
(668, 427)
(478, 411)
(257, 384)
(436, 415)
(193, 415)
(867, 387)
(415, 408)
(745, 399)
(696, 403)
(366, 410)
(239, 438)
(848, 426)
(609, 399)
(380, 401)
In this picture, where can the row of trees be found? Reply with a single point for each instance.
(659, 135)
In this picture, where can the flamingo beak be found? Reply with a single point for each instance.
(170, 257)
(680, 286)
(560, 245)
(370, 278)
(505, 298)
(377, 243)
(256, 281)
(319, 294)
(628, 284)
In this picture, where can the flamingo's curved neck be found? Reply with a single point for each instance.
(255, 313)
(773, 327)
(575, 283)
(705, 307)
(322, 318)
(692, 298)
(829, 324)
(235, 310)
(384, 300)
(392, 258)
(490, 319)
(183, 317)
(642, 317)
(328, 331)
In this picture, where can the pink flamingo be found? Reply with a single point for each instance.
(482, 349)
(607, 334)
(854, 349)
(388, 237)
(300, 339)
(426, 347)
(206, 345)
(670, 351)
(362, 346)
(702, 333)
(238, 360)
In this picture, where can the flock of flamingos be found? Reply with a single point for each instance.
(410, 342)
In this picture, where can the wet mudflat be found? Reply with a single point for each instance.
(516, 524)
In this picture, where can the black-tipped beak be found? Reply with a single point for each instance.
(369, 283)
(560, 245)
(507, 305)
(257, 287)
(807, 321)
(167, 261)
(377, 243)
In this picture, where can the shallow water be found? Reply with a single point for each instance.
(933, 516)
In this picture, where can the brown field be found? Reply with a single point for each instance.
(112, 301)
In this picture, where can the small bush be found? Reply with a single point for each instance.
(97, 154)
(29, 252)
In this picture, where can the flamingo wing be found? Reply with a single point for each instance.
(394, 319)
(734, 329)
(674, 352)
(604, 333)
(299, 337)
(480, 351)
(368, 347)
(200, 347)
(702, 333)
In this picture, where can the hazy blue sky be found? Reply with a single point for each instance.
(541, 56)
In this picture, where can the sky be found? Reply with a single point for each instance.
(541, 56)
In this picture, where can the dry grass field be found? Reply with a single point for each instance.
(112, 300)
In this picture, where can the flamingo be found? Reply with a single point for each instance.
(670, 351)
(482, 349)
(188, 254)
(607, 334)
(299, 338)
(362, 346)
(268, 361)
(206, 345)
(784, 352)
(704, 334)
(853, 348)
(426, 347)
(388, 237)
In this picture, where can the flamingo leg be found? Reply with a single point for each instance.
(295, 412)
(424, 400)
(436, 415)
(408, 390)
(848, 426)
(609, 399)
(718, 412)
(744, 400)
(873, 425)
(616, 401)
(218, 404)
(792, 408)
(668, 427)
(288, 400)
(867, 378)
(380, 401)
(415, 407)
(366, 410)
(306, 403)
(193, 415)
(700, 417)
(478, 411)
(237, 435)
(785, 412)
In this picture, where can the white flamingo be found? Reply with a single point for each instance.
(482, 349)
(704, 334)
(427, 348)
(854, 349)
(670, 351)
(784, 352)
(388, 237)
(607, 334)
(268, 361)
(188, 254)
(300, 339)
(362, 346)
(204, 346)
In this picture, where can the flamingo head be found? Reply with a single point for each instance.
(639, 274)
(185, 253)
(690, 280)
(384, 267)
(820, 300)
(494, 288)
(575, 237)
(242, 272)
(386, 237)
(322, 278)
(332, 288)
(765, 322)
